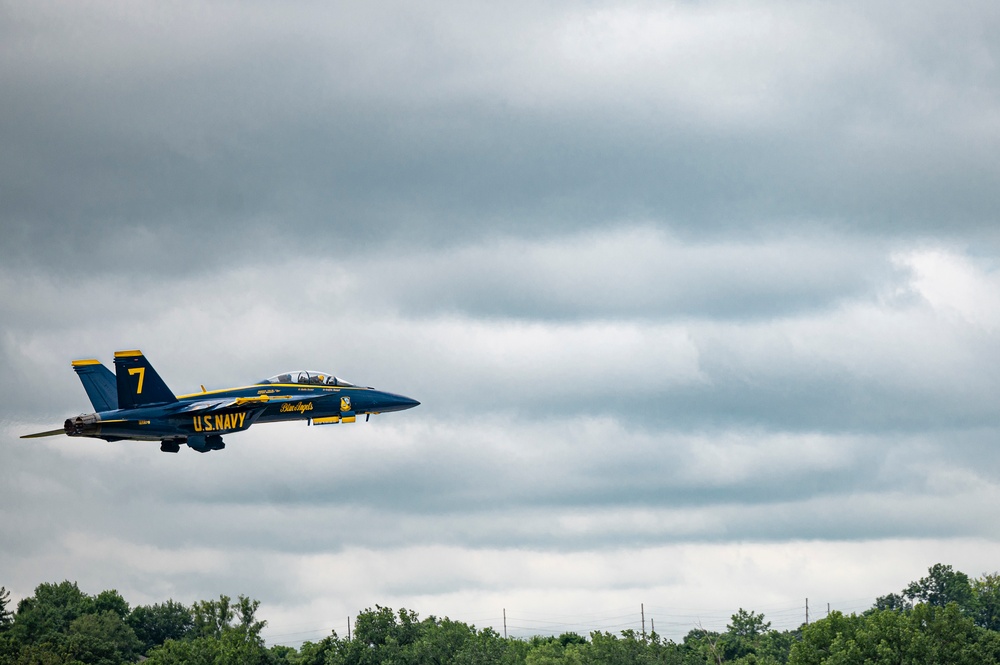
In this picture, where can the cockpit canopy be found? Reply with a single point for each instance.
(307, 377)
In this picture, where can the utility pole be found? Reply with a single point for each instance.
(807, 611)
(828, 609)
(652, 626)
(505, 623)
(348, 628)
(642, 611)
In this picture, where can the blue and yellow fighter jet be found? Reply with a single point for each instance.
(135, 403)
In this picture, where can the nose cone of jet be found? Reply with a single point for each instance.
(408, 403)
(391, 402)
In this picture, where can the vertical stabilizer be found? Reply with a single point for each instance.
(138, 382)
(99, 383)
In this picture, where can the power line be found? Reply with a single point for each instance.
(674, 621)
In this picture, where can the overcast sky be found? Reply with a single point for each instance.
(701, 301)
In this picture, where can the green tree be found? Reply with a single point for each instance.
(379, 627)
(279, 654)
(46, 615)
(631, 648)
(987, 646)
(487, 647)
(155, 624)
(111, 601)
(702, 646)
(892, 601)
(928, 634)
(197, 651)
(925, 634)
(770, 648)
(439, 640)
(819, 637)
(212, 617)
(744, 636)
(747, 624)
(40, 654)
(986, 590)
(571, 638)
(881, 637)
(102, 639)
(225, 634)
(553, 652)
(942, 585)
(242, 643)
(380, 636)
(316, 653)
(6, 616)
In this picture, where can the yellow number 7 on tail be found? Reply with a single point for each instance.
(141, 371)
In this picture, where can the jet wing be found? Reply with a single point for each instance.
(206, 405)
(247, 403)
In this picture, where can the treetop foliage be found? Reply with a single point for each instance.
(6, 616)
(941, 586)
(945, 617)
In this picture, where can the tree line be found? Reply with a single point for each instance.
(945, 617)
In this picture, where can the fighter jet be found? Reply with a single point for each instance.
(134, 403)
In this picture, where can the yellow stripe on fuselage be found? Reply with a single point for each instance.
(273, 385)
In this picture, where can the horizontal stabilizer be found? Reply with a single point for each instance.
(52, 432)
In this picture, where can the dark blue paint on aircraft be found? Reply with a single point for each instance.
(134, 403)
